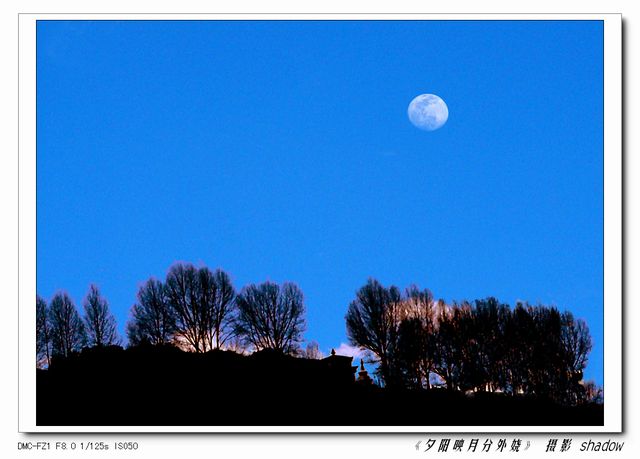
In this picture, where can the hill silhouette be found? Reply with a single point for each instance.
(163, 385)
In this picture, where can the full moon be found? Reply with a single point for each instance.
(428, 112)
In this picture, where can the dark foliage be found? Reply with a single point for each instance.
(481, 347)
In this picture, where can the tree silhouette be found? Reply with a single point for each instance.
(182, 290)
(547, 374)
(576, 342)
(372, 323)
(447, 363)
(100, 324)
(201, 302)
(271, 316)
(312, 351)
(488, 330)
(218, 295)
(576, 345)
(593, 393)
(520, 336)
(43, 333)
(416, 341)
(479, 346)
(411, 351)
(152, 320)
(67, 330)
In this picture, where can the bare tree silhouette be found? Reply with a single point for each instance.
(576, 344)
(447, 348)
(152, 320)
(271, 316)
(372, 322)
(418, 338)
(100, 324)
(411, 353)
(479, 346)
(67, 330)
(593, 393)
(312, 351)
(218, 296)
(43, 333)
(202, 303)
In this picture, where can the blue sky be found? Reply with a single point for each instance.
(282, 151)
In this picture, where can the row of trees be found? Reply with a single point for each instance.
(480, 346)
(194, 308)
(60, 330)
(416, 341)
(200, 309)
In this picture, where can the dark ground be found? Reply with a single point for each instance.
(165, 386)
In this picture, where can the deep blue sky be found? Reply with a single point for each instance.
(283, 151)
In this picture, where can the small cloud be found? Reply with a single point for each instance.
(351, 351)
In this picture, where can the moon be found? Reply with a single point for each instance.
(428, 112)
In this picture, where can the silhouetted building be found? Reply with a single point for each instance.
(340, 366)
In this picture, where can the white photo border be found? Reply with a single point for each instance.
(612, 224)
